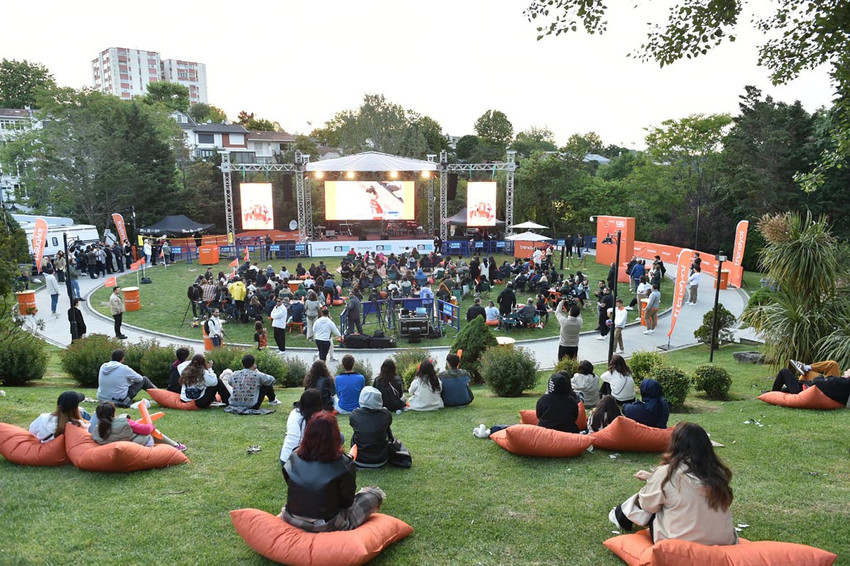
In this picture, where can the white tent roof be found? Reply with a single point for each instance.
(372, 161)
(528, 237)
(529, 226)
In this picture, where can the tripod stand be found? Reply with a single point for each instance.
(186, 314)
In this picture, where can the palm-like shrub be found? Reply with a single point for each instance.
(473, 339)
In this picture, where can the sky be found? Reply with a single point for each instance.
(299, 63)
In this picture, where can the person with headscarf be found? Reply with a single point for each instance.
(372, 433)
(558, 407)
(653, 409)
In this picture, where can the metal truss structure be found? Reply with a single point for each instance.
(509, 165)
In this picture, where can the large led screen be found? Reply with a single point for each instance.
(257, 212)
(369, 200)
(481, 203)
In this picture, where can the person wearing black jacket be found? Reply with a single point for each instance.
(475, 310)
(321, 480)
(174, 375)
(506, 300)
(353, 312)
(606, 301)
(372, 433)
(389, 384)
(558, 407)
(75, 315)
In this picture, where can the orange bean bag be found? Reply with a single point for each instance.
(86, 454)
(636, 549)
(810, 398)
(277, 540)
(170, 400)
(19, 446)
(529, 416)
(491, 322)
(533, 440)
(627, 435)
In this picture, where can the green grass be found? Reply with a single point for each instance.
(469, 501)
(164, 302)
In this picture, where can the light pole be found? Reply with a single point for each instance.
(713, 344)
(608, 240)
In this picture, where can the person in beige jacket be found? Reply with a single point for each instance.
(116, 307)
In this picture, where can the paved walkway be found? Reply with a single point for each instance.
(56, 329)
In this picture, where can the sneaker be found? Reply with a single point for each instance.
(481, 431)
(333, 359)
(630, 308)
(137, 403)
(217, 404)
(601, 337)
(621, 351)
(647, 331)
(180, 447)
(651, 331)
(274, 402)
(612, 516)
(121, 337)
(799, 366)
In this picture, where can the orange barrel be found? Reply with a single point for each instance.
(208, 345)
(724, 279)
(643, 303)
(208, 255)
(26, 303)
(131, 299)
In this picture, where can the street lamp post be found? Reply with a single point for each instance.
(608, 240)
(713, 343)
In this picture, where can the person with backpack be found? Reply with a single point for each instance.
(212, 327)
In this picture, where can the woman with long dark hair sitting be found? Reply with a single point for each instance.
(321, 482)
(319, 377)
(200, 384)
(687, 497)
(425, 389)
(309, 404)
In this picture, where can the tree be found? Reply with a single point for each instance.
(494, 128)
(800, 35)
(173, 96)
(250, 122)
(21, 82)
(534, 139)
(466, 147)
(202, 112)
(97, 154)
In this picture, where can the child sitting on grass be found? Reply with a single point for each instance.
(115, 429)
(261, 335)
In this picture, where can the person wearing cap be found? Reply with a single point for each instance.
(119, 383)
(116, 307)
(372, 433)
(50, 425)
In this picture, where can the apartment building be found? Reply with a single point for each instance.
(128, 72)
(12, 122)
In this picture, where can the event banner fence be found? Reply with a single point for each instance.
(670, 255)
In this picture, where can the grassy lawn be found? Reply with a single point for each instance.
(164, 302)
(469, 501)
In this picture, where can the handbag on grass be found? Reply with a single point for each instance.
(400, 455)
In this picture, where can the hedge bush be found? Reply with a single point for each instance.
(23, 357)
(567, 365)
(83, 358)
(269, 362)
(725, 321)
(133, 353)
(365, 369)
(509, 371)
(225, 357)
(643, 364)
(675, 383)
(714, 380)
(156, 363)
(406, 362)
(474, 339)
(296, 370)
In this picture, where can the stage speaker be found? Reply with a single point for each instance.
(362, 237)
(287, 188)
(451, 186)
(414, 337)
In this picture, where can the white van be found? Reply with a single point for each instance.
(56, 227)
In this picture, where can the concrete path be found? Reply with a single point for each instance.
(56, 329)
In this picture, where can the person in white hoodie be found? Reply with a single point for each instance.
(119, 383)
(280, 314)
(50, 425)
(52, 289)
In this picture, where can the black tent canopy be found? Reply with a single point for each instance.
(175, 225)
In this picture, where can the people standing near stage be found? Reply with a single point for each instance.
(116, 307)
(651, 310)
(506, 300)
(128, 253)
(279, 316)
(570, 323)
(215, 331)
(118, 253)
(324, 330)
(52, 289)
(75, 317)
(353, 312)
(693, 284)
(606, 301)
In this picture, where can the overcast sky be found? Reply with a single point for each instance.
(300, 63)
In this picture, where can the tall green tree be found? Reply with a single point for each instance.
(494, 128)
(21, 82)
(202, 112)
(534, 139)
(173, 96)
(97, 154)
(251, 122)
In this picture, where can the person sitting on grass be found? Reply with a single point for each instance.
(425, 389)
(200, 384)
(115, 429)
(653, 409)
(687, 497)
(182, 355)
(50, 425)
(391, 387)
(372, 433)
(348, 384)
(119, 383)
(834, 387)
(251, 386)
(455, 382)
(309, 404)
(321, 482)
(808, 372)
(586, 384)
(318, 377)
(618, 381)
(604, 414)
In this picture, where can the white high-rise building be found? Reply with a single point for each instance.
(127, 72)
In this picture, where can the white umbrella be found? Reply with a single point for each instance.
(528, 237)
(528, 225)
